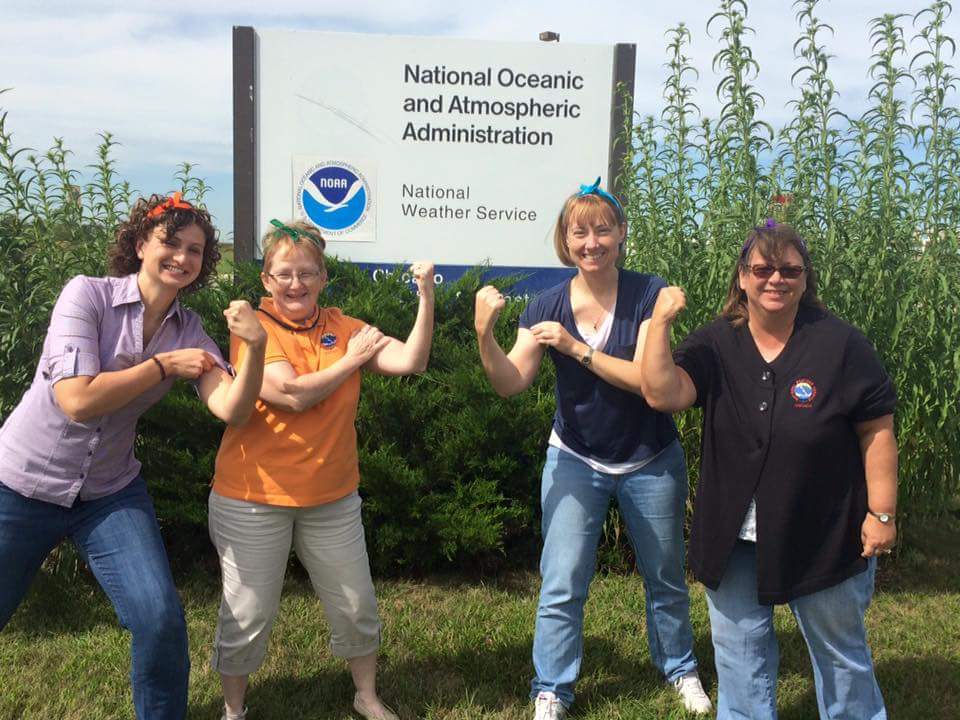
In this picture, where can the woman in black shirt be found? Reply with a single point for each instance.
(798, 482)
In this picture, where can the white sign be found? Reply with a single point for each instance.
(453, 150)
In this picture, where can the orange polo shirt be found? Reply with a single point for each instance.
(289, 458)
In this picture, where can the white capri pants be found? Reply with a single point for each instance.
(254, 540)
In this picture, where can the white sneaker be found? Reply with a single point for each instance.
(547, 707)
(691, 692)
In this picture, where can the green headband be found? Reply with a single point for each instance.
(298, 235)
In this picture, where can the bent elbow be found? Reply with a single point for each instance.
(658, 403)
(74, 411)
(296, 404)
(507, 392)
(77, 417)
(235, 418)
(650, 396)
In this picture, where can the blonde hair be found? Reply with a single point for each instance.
(584, 210)
(279, 239)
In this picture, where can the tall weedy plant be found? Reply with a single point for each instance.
(876, 195)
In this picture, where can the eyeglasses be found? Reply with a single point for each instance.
(307, 278)
(787, 272)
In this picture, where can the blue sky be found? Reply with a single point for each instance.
(159, 77)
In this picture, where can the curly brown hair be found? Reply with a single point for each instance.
(122, 257)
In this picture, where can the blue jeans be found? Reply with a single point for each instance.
(118, 537)
(831, 621)
(575, 499)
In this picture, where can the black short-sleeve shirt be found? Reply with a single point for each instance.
(783, 433)
(594, 418)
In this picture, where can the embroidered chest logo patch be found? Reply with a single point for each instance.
(803, 391)
(328, 340)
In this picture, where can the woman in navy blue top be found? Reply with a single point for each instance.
(606, 443)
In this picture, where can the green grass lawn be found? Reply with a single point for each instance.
(458, 648)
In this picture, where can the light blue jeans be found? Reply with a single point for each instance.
(575, 499)
(831, 621)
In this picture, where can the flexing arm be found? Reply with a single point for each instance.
(404, 358)
(232, 399)
(666, 387)
(878, 443)
(508, 374)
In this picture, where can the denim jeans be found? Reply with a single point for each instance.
(118, 537)
(575, 499)
(831, 622)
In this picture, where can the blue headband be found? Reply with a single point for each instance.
(595, 189)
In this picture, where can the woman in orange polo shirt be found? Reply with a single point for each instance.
(289, 476)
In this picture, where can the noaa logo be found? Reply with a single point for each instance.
(803, 392)
(328, 340)
(334, 196)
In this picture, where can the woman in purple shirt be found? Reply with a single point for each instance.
(114, 347)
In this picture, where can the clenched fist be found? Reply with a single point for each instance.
(670, 302)
(489, 303)
(423, 275)
(242, 322)
(186, 363)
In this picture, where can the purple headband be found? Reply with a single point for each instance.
(768, 224)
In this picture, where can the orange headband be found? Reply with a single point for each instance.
(174, 201)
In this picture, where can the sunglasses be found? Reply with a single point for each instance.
(787, 272)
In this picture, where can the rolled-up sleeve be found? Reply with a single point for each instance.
(72, 347)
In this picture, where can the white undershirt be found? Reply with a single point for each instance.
(748, 531)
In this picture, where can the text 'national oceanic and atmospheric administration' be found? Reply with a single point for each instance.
(470, 99)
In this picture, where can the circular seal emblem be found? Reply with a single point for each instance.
(328, 340)
(334, 196)
(803, 391)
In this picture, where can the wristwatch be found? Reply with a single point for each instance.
(587, 358)
(885, 518)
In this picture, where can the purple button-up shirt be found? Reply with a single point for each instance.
(97, 326)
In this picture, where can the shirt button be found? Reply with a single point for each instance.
(98, 429)
(81, 476)
(766, 376)
(89, 453)
(764, 406)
